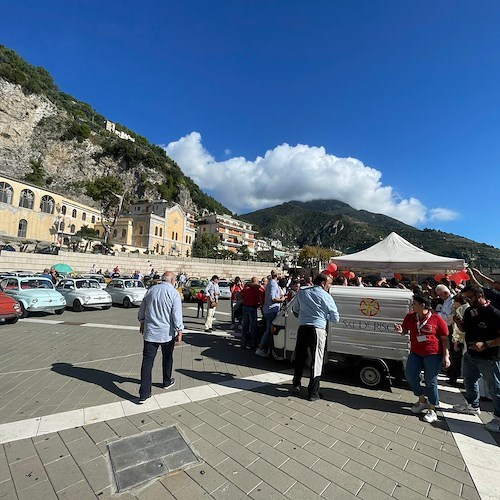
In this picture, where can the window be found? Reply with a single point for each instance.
(115, 232)
(72, 229)
(161, 231)
(141, 229)
(47, 204)
(22, 229)
(93, 219)
(124, 233)
(73, 213)
(61, 227)
(186, 239)
(84, 216)
(156, 230)
(173, 234)
(27, 199)
(6, 193)
(64, 209)
(97, 232)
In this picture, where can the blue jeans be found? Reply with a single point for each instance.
(473, 368)
(266, 338)
(249, 329)
(431, 364)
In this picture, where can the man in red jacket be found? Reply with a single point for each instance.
(253, 298)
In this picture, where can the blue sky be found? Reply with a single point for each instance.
(390, 106)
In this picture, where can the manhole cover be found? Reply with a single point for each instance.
(143, 457)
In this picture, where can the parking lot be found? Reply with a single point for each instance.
(253, 438)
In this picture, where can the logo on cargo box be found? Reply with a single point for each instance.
(369, 307)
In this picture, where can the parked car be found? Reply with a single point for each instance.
(152, 282)
(98, 277)
(34, 294)
(192, 287)
(10, 310)
(7, 248)
(127, 292)
(225, 289)
(81, 293)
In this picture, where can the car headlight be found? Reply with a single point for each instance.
(17, 307)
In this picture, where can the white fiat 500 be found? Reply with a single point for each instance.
(126, 292)
(81, 293)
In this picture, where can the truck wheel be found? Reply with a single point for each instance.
(371, 375)
(77, 306)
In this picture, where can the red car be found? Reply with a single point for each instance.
(10, 310)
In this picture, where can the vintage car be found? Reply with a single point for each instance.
(34, 293)
(126, 292)
(10, 310)
(224, 289)
(98, 277)
(81, 293)
(192, 287)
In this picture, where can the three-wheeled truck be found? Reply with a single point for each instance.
(365, 336)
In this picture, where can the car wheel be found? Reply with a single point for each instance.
(127, 303)
(59, 311)
(11, 321)
(105, 308)
(371, 375)
(24, 312)
(77, 306)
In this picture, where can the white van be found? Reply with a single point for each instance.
(365, 336)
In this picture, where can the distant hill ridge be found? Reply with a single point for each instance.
(334, 224)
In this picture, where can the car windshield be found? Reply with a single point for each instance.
(36, 283)
(98, 278)
(133, 284)
(87, 284)
(197, 283)
(223, 284)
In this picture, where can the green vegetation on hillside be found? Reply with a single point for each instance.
(85, 123)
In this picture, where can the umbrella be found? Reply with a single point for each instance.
(63, 268)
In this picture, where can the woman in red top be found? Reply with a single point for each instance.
(236, 302)
(428, 351)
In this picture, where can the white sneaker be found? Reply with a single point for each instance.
(430, 416)
(419, 407)
(262, 353)
(467, 408)
(494, 425)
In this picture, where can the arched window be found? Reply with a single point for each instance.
(47, 204)
(157, 248)
(63, 209)
(93, 219)
(124, 233)
(6, 193)
(173, 234)
(73, 213)
(97, 232)
(156, 230)
(115, 232)
(161, 231)
(61, 227)
(84, 216)
(72, 229)
(27, 199)
(22, 229)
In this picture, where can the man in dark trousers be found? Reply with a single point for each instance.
(314, 307)
(160, 316)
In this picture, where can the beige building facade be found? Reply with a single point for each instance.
(29, 212)
(233, 233)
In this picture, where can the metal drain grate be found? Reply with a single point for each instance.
(143, 457)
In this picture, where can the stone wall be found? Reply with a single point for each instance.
(128, 263)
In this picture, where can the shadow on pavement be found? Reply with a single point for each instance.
(102, 378)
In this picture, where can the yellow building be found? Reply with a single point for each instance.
(159, 226)
(234, 234)
(29, 212)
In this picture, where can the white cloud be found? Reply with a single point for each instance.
(227, 152)
(298, 172)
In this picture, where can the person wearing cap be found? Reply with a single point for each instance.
(212, 294)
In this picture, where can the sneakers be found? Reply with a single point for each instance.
(170, 384)
(262, 353)
(494, 425)
(295, 390)
(419, 407)
(430, 416)
(467, 408)
(142, 399)
(208, 330)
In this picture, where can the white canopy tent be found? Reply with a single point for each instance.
(395, 253)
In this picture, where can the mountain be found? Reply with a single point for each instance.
(336, 225)
(51, 139)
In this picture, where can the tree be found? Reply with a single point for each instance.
(206, 246)
(87, 233)
(311, 255)
(37, 174)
